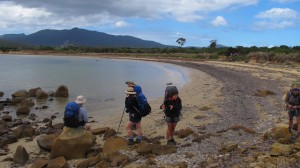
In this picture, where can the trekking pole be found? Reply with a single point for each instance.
(121, 119)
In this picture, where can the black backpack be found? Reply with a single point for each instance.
(71, 118)
(146, 110)
(170, 90)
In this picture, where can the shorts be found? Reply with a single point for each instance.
(294, 113)
(135, 119)
(171, 119)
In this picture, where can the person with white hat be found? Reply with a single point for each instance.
(135, 117)
(76, 115)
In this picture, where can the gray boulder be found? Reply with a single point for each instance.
(21, 155)
(62, 91)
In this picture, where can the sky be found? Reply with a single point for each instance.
(230, 22)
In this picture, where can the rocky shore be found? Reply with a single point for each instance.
(233, 116)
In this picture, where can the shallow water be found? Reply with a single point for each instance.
(101, 81)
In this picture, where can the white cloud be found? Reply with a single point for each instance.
(121, 24)
(32, 15)
(219, 21)
(284, 1)
(29, 19)
(278, 13)
(273, 25)
(276, 18)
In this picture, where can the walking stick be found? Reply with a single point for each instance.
(121, 119)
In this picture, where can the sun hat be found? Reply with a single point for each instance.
(80, 99)
(130, 83)
(130, 90)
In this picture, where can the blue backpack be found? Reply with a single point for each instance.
(71, 115)
(144, 106)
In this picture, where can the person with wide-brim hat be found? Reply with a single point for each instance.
(130, 83)
(75, 114)
(131, 105)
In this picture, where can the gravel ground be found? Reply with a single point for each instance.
(240, 107)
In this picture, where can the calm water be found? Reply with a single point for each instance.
(101, 81)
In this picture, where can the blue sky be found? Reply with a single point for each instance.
(230, 22)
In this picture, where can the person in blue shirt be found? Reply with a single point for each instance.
(75, 115)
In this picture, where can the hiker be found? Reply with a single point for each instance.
(131, 105)
(75, 115)
(130, 83)
(293, 105)
(172, 109)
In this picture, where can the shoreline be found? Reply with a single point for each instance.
(212, 108)
(193, 95)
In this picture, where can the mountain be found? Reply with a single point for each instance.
(80, 37)
(9, 43)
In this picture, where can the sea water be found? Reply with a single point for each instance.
(101, 81)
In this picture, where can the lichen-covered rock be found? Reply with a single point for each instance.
(72, 143)
(20, 93)
(39, 163)
(46, 141)
(278, 149)
(112, 145)
(59, 162)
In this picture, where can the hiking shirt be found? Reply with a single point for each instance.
(131, 105)
(82, 115)
(175, 112)
(294, 100)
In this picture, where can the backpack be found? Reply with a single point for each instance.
(287, 94)
(71, 115)
(144, 106)
(170, 90)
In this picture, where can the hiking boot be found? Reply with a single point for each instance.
(171, 142)
(130, 142)
(137, 140)
(290, 130)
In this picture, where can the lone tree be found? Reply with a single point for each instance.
(213, 44)
(181, 41)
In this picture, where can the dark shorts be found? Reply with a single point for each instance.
(172, 119)
(134, 119)
(295, 113)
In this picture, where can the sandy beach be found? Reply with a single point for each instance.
(210, 103)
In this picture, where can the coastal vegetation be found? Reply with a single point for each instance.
(277, 54)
